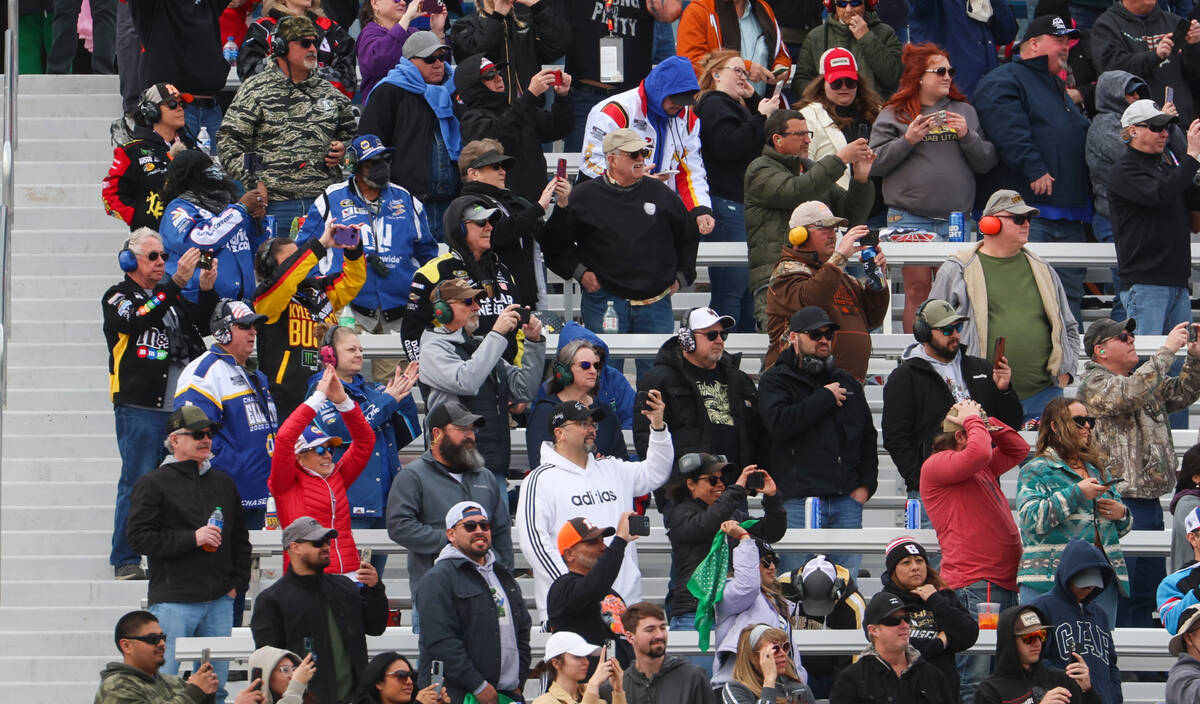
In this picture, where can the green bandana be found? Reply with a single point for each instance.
(708, 583)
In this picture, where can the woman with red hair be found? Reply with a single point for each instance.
(929, 148)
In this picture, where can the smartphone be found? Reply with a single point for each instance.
(1192, 333)
(308, 648)
(436, 678)
(561, 171)
(871, 239)
(431, 7)
(639, 525)
(1169, 95)
(609, 650)
(205, 656)
(256, 674)
(1179, 38)
(778, 90)
(998, 352)
(639, 401)
(668, 172)
(756, 481)
(781, 70)
(345, 235)
(205, 261)
(364, 554)
(1112, 482)
(523, 314)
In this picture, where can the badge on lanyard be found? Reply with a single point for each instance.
(612, 52)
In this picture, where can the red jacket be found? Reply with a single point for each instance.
(301, 492)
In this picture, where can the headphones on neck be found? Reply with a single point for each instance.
(921, 330)
(816, 365)
(798, 235)
(687, 338)
(126, 259)
(989, 225)
(442, 312)
(327, 351)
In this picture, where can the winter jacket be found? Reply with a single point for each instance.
(459, 623)
(121, 683)
(801, 279)
(935, 176)
(336, 59)
(293, 148)
(692, 525)
(395, 238)
(1104, 146)
(559, 490)
(676, 681)
(916, 399)
(454, 364)
(612, 388)
(870, 679)
(1150, 206)
(1026, 113)
(731, 137)
(181, 44)
(1051, 510)
(1183, 680)
(708, 25)
(960, 281)
(238, 399)
(1081, 627)
(379, 50)
(421, 495)
(877, 53)
(971, 44)
(790, 690)
(674, 142)
(941, 612)
(521, 123)
(302, 492)
(395, 425)
(632, 24)
(165, 509)
(295, 303)
(587, 604)
(132, 190)
(820, 448)
(1125, 41)
(398, 112)
(519, 42)
(1012, 682)
(775, 185)
(692, 430)
(555, 694)
(231, 235)
(610, 441)
(267, 658)
(141, 348)
(1131, 427)
(1176, 593)
(960, 490)
(298, 607)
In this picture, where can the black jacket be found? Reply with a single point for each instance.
(133, 186)
(941, 612)
(1124, 41)
(140, 347)
(819, 448)
(1010, 682)
(916, 399)
(1148, 201)
(524, 39)
(181, 44)
(687, 417)
(522, 125)
(692, 525)
(459, 625)
(404, 121)
(299, 606)
(165, 509)
(731, 137)
(584, 604)
(871, 680)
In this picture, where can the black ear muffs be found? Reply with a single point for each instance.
(148, 112)
(687, 339)
(126, 259)
(562, 374)
(277, 43)
(921, 330)
(442, 312)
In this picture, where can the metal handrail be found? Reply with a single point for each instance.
(8, 152)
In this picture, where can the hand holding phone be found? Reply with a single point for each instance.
(998, 352)
(436, 677)
(639, 525)
(871, 239)
(256, 674)
(1192, 336)
(345, 235)
(206, 260)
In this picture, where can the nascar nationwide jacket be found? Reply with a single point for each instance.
(231, 235)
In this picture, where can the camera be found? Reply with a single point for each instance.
(756, 481)
(639, 525)
(205, 261)
(523, 314)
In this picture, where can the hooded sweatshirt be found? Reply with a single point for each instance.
(1081, 627)
(1011, 683)
(268, 657)
(676, 681)
(612, 389)
(1104, 145)
(125, 683)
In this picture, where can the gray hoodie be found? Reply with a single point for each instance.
(268, 657)
(1183, 680)
(1104, 145)
(676, 681)
(511, 677)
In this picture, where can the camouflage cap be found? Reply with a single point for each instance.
(293, 28)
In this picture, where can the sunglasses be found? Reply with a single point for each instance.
(1017, 219)
(643, 153)
(434, 58)
(942, 71)
(826, 333)
(471, 526)
(319, 449)
(712, 479)
(489, 74)
(172, 104)
(155, 255)
(1085, 421)
(306, 42)
(201, 434)
(843, 84)
(848, 3)
(769, 561)
(892, 620)
(244, 326)
(401, 674)
(1123, 336)
(1035, 637)
(1154, 128)
(587, 364)
(316, 543)
(949, 330)
(712, 335)
(150, 638)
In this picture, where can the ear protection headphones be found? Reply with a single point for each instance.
(562, 373)
(264, 258)
(327, 344)
(990, 225)
(798, 235)
(278, 45)
(829, 5)
(793, 587)
(921, 330)
(442, 312)
(126, 259)
(148, 112)
(687, 339)
(816, 365)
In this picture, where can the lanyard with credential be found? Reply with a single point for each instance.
(610, 16)
(612, 54)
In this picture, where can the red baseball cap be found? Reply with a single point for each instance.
(838, 63)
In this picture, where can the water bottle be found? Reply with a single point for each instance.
(230, 51)
(874, 278)
(204, 141)
(812, 513)
(217, 519)
(610, 324)
(272, 515)
(957, 230)
(912, 514)
(346, 318)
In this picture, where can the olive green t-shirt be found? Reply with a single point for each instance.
(1016, 313)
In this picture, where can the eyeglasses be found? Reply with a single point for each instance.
(799, 133)
(201, 434)
(826, 333)
(1123, 336)
(434, 58)
(401, 674)
(150, 638)
(843, 84)
(471, 526)
(155, 255)
(949, 330)
(712, 335)
(769, 561)
(1017, 219)
(1035, 637)
(942, 71)
(586, 424)
(893, 620)
(319, 449)
(1153, 128)
(244, 326)
(848, 3)
(489, 74)
(738, 71)
(1085, 421)
(306, 42)
(712, 479)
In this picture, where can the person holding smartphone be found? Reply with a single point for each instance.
(283, 678)
(708, 26)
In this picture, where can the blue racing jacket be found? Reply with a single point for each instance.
(230, 234)
(1176, 592)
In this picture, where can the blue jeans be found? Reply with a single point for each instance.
(586, 97)
(973, 669)
(1157, 309)
(1043, 230)
(1103, 230)
(1035, 404)
(941, 228)
(731, 284)
(196, 117)
(656, 317)
(195, 620)
(287, 214)
(1085, 16)
(378, 560)
(1144, 572)
(664, 42)
(434, 210)
(140, 433)
(836, 512)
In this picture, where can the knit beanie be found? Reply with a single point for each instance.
(899, 549)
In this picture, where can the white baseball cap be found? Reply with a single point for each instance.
(568, 642)
(700, 318)
(1191, 521)
(1144, 112)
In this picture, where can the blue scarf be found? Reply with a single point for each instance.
(406, 77)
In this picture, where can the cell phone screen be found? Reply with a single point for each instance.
(561, 171)
(999, 351)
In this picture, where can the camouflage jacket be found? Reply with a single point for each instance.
(290, 125)
(1131, 420)
(125, 684)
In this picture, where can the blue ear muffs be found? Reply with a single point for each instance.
(126, 259)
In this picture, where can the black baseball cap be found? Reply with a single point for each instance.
(453, 412)
(491, 157)
(810, 318)
(573, 410)
(882, 605)
(1049, 24)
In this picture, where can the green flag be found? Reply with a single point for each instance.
(708, 583)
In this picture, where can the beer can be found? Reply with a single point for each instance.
(957, 227)
(269, 225)
(912, 514)
(812, 512)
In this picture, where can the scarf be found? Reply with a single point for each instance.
(979, 10)
(406, 77)
(707, 583)
(212, 198)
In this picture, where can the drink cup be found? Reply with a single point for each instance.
(989, 614)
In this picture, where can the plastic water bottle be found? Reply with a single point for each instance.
(912, 514)
(874, 278)
(346, 318)
(217, 519)
(204, 141)
(272, 515)
(610, 324)
(230, 51)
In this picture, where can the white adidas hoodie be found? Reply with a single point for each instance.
(560, 490)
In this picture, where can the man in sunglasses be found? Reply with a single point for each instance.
(136, 679)
(1021, 675)
(1131, 400)
(196, 568)
(1033, 314)
(152, 332)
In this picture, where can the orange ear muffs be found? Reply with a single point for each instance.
(989, 225)
(798, 235)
